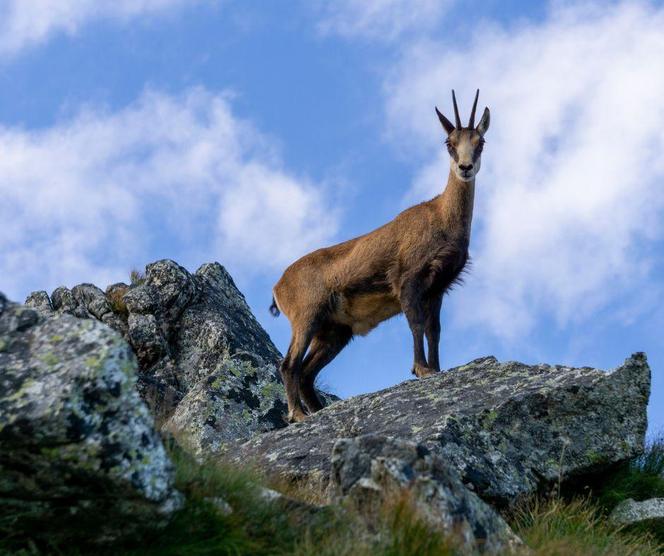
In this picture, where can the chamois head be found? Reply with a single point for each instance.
(465, 143)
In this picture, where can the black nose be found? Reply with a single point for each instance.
(465, 167)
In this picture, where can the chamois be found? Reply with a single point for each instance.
(406, 266)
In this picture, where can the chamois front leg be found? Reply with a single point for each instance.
(290, 370)
(412, 304)
(432, 331)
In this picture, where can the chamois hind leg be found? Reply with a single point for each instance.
(432, 331)
(325, 346)
(290, 370)
(413, 306)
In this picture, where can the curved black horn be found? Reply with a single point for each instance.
(456, 111)
(471, 122)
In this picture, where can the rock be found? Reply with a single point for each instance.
(145, 335)
(630, 512)
(77, 443)
(239, 398)
(371, 470)
(63, 300)
(92, 299)
(141, 300)
(270, 495)
(207, 369)
(14, 319)
(508, 428)
(193, 334)
(41, 302)
(220, 323)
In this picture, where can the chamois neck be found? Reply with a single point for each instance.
(456, 204)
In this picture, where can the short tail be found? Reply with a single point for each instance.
(274, 310)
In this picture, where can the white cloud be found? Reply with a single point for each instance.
(29, 22)
(570, 196)
(380, 19)
(177, 177)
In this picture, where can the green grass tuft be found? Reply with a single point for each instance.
(136, 277)
(561, 526)
(640, 479)
(200, 528)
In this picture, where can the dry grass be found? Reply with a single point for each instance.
(307, 492)
(116, 299)
(555, 527)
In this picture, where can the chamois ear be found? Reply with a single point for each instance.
(447, 125)
(483, 126)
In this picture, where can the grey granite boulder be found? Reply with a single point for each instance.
(507, 428)
(76, 441)
(630, 512)
(369, 471)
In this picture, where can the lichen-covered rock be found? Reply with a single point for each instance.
(371, 470)
(630, 512)
(93, 299)
(147, 338)
(63, 301)
(508, 428)
(218, 324)
(200, 347)
(40, 302)
(76, 441)
(237, 400)
(207, 367)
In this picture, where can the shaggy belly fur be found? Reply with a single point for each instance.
(363, 313)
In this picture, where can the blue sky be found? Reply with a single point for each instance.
(252, 132)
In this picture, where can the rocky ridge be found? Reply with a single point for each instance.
(207, 369)
(464, 444)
